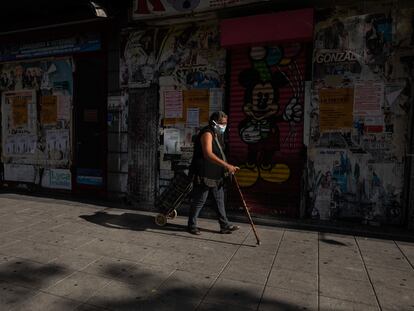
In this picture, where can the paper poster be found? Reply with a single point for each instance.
(63, 107)
(48, 112)
(20, 144)
(335, 109)
(173, 104)
(18, 172)
(373, 124)
(193, 117)
(172, 141)
(198, 99)
(368, 98)
(216, 100)
(60, 179)
(19, 113)
(57, 144)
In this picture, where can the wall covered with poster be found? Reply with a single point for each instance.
(358, 118)
(36, 101)
(188, 65)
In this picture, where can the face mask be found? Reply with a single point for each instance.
(220, 128)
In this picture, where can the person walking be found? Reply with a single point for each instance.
(208, 169)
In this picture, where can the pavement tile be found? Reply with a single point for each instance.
(109, 267)
(162, 257)
(38, 252)
(31, 274)
(88, 307)
(299, 263)
(222, 307)
(387, 261)
(298, 249)
(278, 299)
(60, 239)
(408, 250)
(44, 301)
(343, 269)
(117, 249)
(168, 303)
(395, 298)
(300, 236)
(211, 265)
(185, 285)
(329, 304)
(352, 290)
(269, 245)
(391, 277)
(245, 273)
(376, 245)
(5, 240)
(75, 260)
(12, 295)
(254, 257)
(121, 296)
(293, 280)
(350, 253)
(78, 286)
(235, 293)
(146, 275)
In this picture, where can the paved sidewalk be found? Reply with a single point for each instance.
(62, 255)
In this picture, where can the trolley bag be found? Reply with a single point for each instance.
(172, 197)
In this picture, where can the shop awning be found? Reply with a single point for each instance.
(268, 28)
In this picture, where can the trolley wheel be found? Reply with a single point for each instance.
(173, 214)
(160, 220)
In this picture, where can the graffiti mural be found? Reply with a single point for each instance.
(181, 55)
(273, 70)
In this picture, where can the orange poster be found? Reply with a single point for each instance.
(336, 109)
(19, 112)
(48, 112)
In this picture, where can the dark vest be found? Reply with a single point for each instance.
(202, 169)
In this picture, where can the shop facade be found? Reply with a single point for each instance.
(319, 103)
(53, 109)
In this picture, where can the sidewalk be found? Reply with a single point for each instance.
(62, 255)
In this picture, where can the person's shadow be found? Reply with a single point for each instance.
(131, 221)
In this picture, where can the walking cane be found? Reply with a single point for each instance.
(246, 209)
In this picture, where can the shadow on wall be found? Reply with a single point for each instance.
(142, 290)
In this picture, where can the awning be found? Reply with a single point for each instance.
(268, 28)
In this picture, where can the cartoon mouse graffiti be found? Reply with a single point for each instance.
(259, 130)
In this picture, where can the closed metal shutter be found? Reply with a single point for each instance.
(265, 138)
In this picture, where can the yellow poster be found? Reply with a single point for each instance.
(336, 109)
(48, 112)
(197, 99)
(19, 112)
(193, 99)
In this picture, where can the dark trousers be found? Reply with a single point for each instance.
(198, 199)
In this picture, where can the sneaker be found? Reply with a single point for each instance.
(229, 229)
(195, 231)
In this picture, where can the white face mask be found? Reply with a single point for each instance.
(221, 128)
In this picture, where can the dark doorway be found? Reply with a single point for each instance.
(89, 125)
